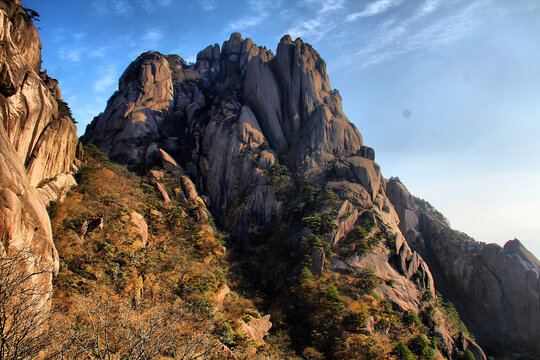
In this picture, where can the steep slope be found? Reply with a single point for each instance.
(496, 290)
(266, 143)
(38, 142)
(152, 271)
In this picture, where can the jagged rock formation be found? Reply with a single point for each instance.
(37, 142)
(496, 290)
(237, 125)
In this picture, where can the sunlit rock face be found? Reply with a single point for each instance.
(496, 289)
(37, 144)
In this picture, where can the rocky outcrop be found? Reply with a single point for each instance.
(256, 329)
(496, 290)
(44, 139)
(134, 114)
(141, 227)
(56, 188)
(38, 143)
(230, 117)
(24, 222)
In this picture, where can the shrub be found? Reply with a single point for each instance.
(402, 352)
(410, 318)
(367, 281)
(420, 346)
(426, 207)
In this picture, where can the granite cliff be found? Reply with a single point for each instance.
(38, 143)
(264, 140)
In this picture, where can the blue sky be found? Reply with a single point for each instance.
(446, 91)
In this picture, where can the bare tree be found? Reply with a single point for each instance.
(24, 306)
(110, 328)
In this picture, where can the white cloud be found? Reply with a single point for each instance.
(374, 8)
(325, 6)
(394, 38)
(208, 5)
(118, 7)
(73, 55)
(260, 10)
(309, 29)
(317, 27)
(108, 78)
(152, 5)
(153, 35)
(98, 52)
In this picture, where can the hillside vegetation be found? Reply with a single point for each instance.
(127, 292)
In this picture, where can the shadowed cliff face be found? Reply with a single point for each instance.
(496, 290)
(254, 131)
(37, 143)
(230, 117)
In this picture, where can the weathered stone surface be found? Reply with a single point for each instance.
(402, 293)
(222, 292)
(262, 94)
(318, 261)
(24, 222)
(256, 329)
(142, 228)
(45, 143)
(363, 171)
(54, 151)
(57, 188)
(346, 219)
(366, 152)
(164, 195)
(134, 114)
(33, 136)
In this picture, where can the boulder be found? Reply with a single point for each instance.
(256, 329)
(142, 228)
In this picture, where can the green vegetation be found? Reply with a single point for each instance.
(112, 279)
(64, 110)
(359, 241)
(178, 272)
(452, 316)
(421, 347)
(426, 207)
(31, 15)
(402, 352)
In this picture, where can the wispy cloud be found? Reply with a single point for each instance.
(325, 6)
(108, 77)
(315, 28)
(259, 11)
(98, 52)
(73, 54)
(117, 7)
(151, 6)
(418, 33)
(152, 35)
(208, 5)
(374, 8)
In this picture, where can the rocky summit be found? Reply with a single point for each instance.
(213, 190)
